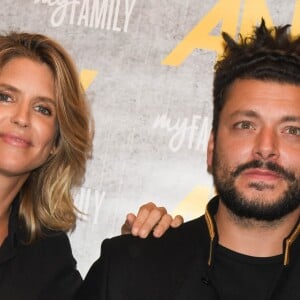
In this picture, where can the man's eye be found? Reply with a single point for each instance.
(43, 110)
(4, 97)
(293, 130)
(244, 125)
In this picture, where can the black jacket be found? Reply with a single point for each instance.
(176, 266)
(44, 270)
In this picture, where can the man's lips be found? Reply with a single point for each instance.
(264, 170)
(15, 140)
(261, 174)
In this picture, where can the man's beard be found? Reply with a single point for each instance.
(256, 207)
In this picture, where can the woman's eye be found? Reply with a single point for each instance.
(4, 97)
(43, 110)
(244, 125)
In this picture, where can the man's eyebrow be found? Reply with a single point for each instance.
(246, 113)
(290, 118)
(254, 114)
(9, 87)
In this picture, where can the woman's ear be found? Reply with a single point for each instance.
(55, 143)
(53, 150)
(210, 152)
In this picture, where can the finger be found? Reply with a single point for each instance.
(141, 217)
(150, 220)
(163, 225)
(127, 226)
(177, 221)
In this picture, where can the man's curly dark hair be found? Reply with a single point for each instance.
(269, 54)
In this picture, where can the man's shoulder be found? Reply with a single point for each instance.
(151, 268)
(184, 237)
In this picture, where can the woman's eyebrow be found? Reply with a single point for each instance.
(12, 88)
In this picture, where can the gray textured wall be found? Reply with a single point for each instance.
(152, 120)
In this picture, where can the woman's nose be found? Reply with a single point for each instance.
(21, 115)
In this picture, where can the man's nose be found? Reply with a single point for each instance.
(266, 145)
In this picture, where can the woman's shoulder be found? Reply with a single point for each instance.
(56, 243)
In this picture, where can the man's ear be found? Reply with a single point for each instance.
(210, 152)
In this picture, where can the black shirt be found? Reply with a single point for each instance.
(43, 270)
(236, 274)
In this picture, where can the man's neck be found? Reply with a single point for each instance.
(251, 237)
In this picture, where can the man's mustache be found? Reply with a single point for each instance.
(290, 176)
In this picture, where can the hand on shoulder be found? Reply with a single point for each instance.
(150, 218)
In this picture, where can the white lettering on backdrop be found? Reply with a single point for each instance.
(112, 15)
(194, 132)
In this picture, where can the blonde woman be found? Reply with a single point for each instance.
(45, 140)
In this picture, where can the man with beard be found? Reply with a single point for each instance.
(247, 245)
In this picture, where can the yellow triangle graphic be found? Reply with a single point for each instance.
(193, 205)
(87, 77)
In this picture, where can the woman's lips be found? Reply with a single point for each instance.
(15, 140)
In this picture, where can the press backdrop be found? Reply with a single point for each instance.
(147, 67)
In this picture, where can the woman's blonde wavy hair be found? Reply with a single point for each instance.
(45, 198)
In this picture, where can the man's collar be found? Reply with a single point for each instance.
(211, 210)
(289, 242)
